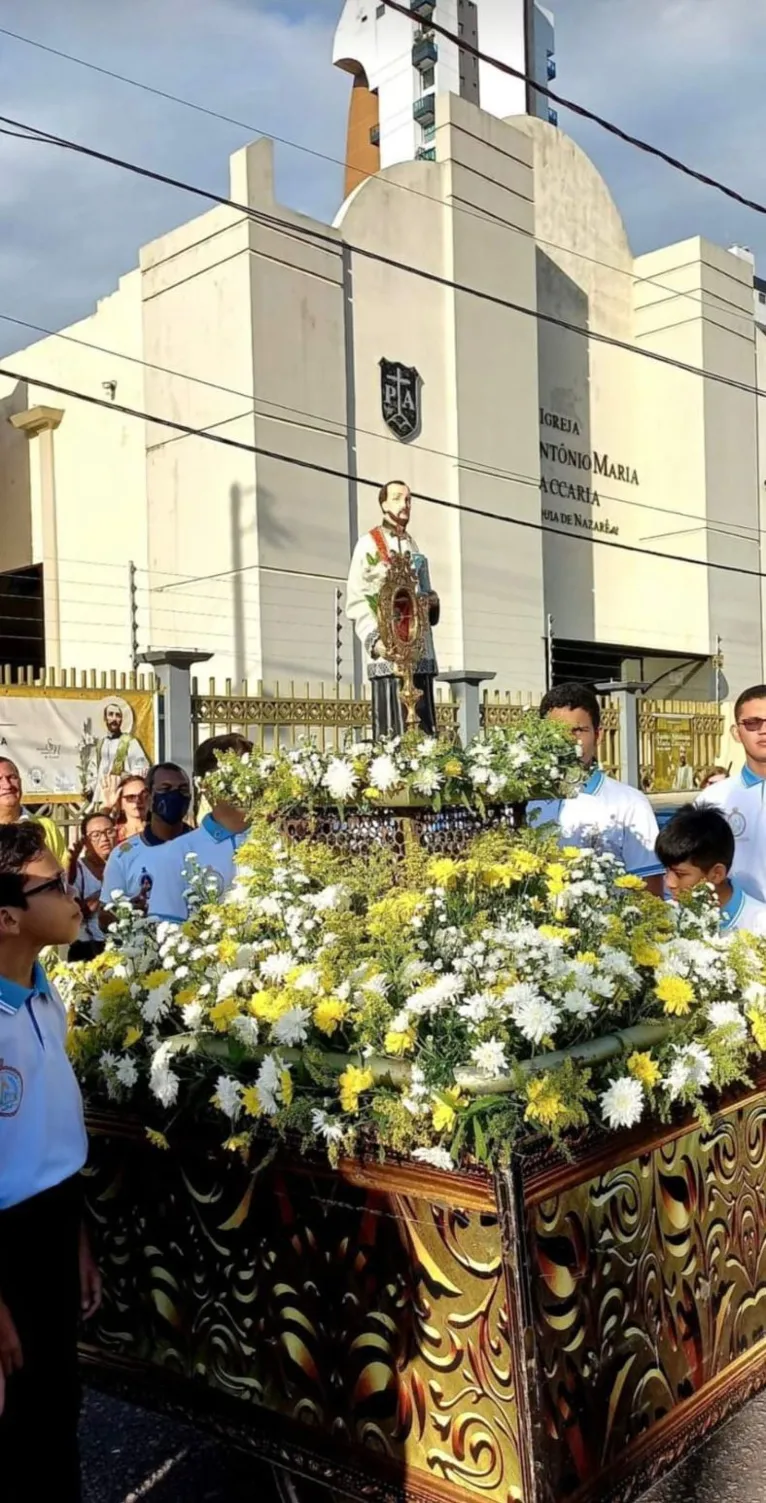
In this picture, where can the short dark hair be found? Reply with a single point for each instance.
(758, 691)
(162, 767)
(19, 844)
(89, 818)
(703, 837)
(208, 752)
(384, 490)
(572, 697)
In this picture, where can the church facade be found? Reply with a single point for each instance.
(579, 428)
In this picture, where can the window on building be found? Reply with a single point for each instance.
(380, 12)
(428, 77)
(762, 297)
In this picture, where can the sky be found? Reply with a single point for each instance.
(681, 73)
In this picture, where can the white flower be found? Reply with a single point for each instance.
(478, 1008)
(293, 1026)
(308, 981)
(329, 898)
(163, 1082)
(490, 1058)
(727, 1015)
(623, 1104)
(438, 1158)
(228, 1096)
(243, 960)
(578, 1003)
(439, 994)
(416, 1102)
(382, 773)
(275, 967)
(534, 1015)
(692, 1066)
(427, 782)
(332, 1132)
(193, 1014)
(245, 1030)
(230, 983)
(269, 1084)
(157, 1003)
(340, 779)
(127, 1072)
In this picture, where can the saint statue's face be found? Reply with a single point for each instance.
(397, 506)
(113, 718)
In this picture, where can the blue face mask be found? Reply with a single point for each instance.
(171, 805)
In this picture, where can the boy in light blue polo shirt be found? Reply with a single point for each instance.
(696, 846)
(741, 797)
(47, 1276)
(213, 844)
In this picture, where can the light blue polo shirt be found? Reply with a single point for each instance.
(214, 848)
(742, 912)
(128, 867)
(605, 816)
(42, 1128)
(741, 799)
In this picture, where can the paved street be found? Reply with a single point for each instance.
(129, 1455)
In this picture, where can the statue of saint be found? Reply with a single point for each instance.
(366, 575)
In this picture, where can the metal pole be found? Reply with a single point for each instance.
(548, 651)
(718, 670)
(133, 609)
(338, 638)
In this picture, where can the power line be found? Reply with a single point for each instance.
(339, 162)
(737, 530)
(583, 112)
(345, 475)
(333, 241)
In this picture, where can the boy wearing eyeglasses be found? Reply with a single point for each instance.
(47, 1275)
(741, 797)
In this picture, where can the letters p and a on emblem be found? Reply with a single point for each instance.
(400, 404)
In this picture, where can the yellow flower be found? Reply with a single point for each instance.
(155, 979)
(645, 953)
(571, 852)
(631, 882)
(544, 1104)
(557, 878)
(399, 1043)
(268, 1006)
(444, 1114)
(758, 1025)
(588, 957)
(131, 1037)
(185, 996)
(329, 1014)
(227, 950)
(251, 1101)
(238, 1144)
(288, 1090)
(393, 913)
(157, 1139)
(676, 995)
(555, 931)
(352, 1082)
(224, 1013)
(444, 871)
(642, 1067)
(452, 768)
(114, 991)
(373, 794)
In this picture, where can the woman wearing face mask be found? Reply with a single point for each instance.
(86, 874)
(129, 868)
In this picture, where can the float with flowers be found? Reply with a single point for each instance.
(430, 1159)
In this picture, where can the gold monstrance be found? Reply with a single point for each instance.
(402, 624)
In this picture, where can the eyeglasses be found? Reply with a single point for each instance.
(753, 723)
(133, 798)
(56, 884)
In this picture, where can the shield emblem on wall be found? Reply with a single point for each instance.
(400, 398)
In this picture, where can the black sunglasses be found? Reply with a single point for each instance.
(56, 884)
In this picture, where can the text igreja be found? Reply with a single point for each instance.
(595, 463)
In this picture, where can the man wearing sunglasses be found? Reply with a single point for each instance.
(48, 1279)
(741, 797)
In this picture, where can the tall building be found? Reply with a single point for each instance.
(399, 64)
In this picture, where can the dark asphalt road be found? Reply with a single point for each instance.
(129, 1455)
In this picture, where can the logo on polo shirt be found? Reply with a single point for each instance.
(11, 1090)
(215, 884)
(738, 823)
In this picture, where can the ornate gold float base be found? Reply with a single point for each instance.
(566, 1331)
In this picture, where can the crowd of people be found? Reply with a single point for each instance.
(48, 897)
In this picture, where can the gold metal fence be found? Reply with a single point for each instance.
(284, 715)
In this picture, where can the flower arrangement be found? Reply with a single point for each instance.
(537, 759)
(436, 1008)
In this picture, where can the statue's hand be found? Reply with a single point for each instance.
(378, 650)
(434, 609)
